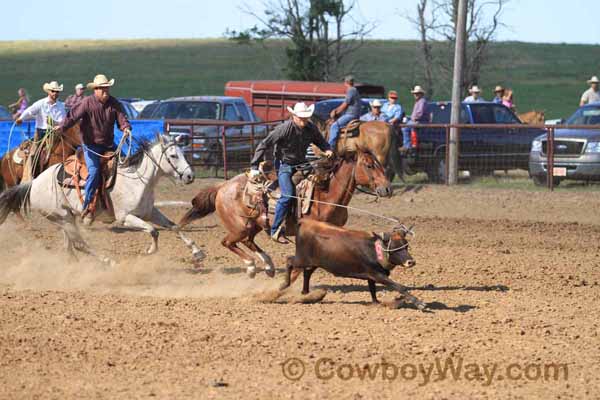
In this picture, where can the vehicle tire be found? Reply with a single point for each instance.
(481, 172)
(541, 180)
(437, 171)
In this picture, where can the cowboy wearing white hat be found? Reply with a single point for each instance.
(48, 112)
(76, 97)
(592, 95)
(499, 92)
(375, 113)
(349, 110)
(474, 97)
(97, 115)
(419, 116)
(290, 140)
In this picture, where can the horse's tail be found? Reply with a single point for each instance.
(202, 205)
(14, 199)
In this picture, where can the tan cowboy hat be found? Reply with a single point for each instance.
(100, 81)
(376, 103)
(498, 89)
(52, 87)
(79, 86)
(593, 79)
(301, 110)
(474, 89)
(417, 89)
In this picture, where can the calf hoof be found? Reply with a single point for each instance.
(198, 255)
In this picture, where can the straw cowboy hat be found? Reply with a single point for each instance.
(498, 89)
(417, 89)
(52, 87)
(474, 89)
(100, 81)
(79, 86)
(594, 79)
(300, 110)
(376, 103)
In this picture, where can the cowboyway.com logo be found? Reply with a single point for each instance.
(425, 373)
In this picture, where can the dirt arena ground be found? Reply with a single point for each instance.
(512, 279)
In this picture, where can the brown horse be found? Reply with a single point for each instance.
(226, 199)
(374, 136)
(533, 117)
(64, 145)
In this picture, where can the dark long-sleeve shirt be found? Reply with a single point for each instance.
(73, 100)
(97, 120)
(290, 142)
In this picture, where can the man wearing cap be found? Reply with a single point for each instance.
(48, 112)
(391, 109)
(291, 140)
(592, 95)
(474, 95)
(499, 92)
(76, 97)
(97, 115)
(375, 113)
(348, 110)
(419, 115)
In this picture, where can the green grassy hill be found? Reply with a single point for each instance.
(544, 76)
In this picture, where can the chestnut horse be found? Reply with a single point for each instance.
(62, 147)
(533, 117)
(348, 172)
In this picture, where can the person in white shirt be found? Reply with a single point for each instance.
(592, 95)
(48, 112)
(474, 95)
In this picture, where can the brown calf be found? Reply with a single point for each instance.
(351, 254)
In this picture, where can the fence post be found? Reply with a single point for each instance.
(550, 159)
(224, 141)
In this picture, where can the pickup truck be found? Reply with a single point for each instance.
(206, 146)
(481, 151)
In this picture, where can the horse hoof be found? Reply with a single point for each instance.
(270, 272)
(251, 271)
(151, 250)
(198, 255)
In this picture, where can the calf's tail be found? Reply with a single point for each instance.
(14, 199)
(202, 205)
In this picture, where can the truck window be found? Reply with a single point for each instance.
(504, 116)
(243, 111)
(440, 114)
(230, 113)
(482, 114)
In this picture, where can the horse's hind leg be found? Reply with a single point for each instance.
(230, 242)
(158, 218)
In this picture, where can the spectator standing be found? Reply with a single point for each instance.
(474, 95)
(76, 97)
(499, 92)
(419, 115)
(375, 113)
(392, 110)
(592, 95)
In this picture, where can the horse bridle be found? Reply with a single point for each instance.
(370, 176)
(163, 151)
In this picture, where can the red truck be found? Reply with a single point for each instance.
(269, 99)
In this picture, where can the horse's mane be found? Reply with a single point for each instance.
(136, 158)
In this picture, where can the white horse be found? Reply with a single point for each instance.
(132, 197)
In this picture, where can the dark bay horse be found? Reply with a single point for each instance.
(62, 146)
(348, 172)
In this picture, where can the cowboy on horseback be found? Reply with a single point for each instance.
(291, 139)
(349, 110)
(98, 114)
(47, 112)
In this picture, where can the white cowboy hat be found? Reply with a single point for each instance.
(417, 89)
(376, 103)
(52, 86)
(474, 89)
(300, 110)
(498, 89)
(594, 79)
(79, 86)
(100, 81)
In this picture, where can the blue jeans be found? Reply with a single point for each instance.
(286, 186)
(406, 134)
(334, 131)
(92, 161)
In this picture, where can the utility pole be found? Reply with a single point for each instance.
(459, 58)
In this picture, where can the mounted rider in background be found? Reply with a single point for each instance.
(349, 110)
